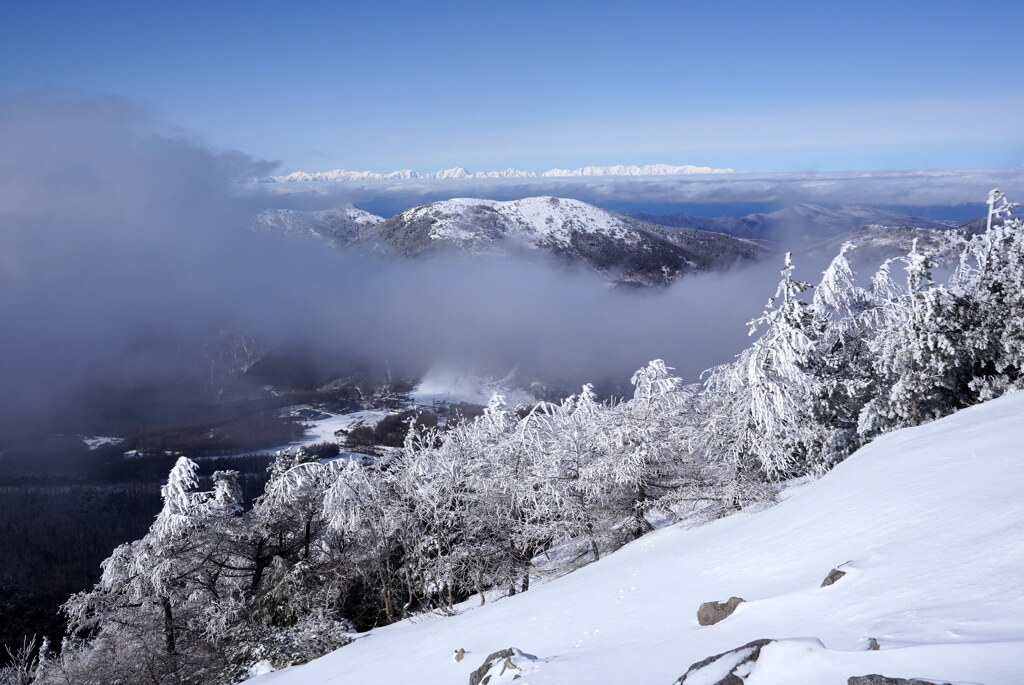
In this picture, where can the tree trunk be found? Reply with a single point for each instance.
(737, 482)
(168, 626)
(593, 542)
(385, 589)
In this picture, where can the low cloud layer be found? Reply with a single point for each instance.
(123, 247)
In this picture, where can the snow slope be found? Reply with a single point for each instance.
(928, 523)
(337, 226)
(532, 221)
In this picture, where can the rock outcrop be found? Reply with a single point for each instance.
(730, 668)
(875, 679)
(833, 575)
(711, 613)
(501, 664)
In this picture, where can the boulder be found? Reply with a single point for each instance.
(730, 668)
(875, 679)
(711, 613)
(833, 575)
(459, 654)
(500, 664)
(873, 644)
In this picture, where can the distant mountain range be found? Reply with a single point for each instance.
(623, 249)
(460, 173)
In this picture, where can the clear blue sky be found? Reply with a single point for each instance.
(759, 85)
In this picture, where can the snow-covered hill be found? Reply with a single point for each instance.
(337, 226)
(798, 223)
(460, 173)
(620, 247)
(875, 244)
(927, 523)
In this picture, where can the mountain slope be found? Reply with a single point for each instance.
(619, 247)
(799, 222)
(875, 244)
(337, 226)
(928, 524)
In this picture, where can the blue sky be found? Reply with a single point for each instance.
(763, 86)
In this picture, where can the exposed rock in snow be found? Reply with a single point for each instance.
(711, 613)
(833, 575)
(501, 666)
(727, 668)
(875, 679)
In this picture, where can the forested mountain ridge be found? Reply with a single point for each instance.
(337, 226)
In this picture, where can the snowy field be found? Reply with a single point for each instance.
(928, 524)
(323, 430)
(451, 383)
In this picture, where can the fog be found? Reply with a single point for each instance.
(126, 243)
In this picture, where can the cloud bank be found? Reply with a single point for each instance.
(125, 246)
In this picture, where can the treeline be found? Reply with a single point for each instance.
(486, 506)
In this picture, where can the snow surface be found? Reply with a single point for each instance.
(451, 383)
(531, 221)
(97, 441)
(928, 524)
(323, 430)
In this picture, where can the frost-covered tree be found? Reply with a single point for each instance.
(759, 410)
(991, 277)
(924, 368)
(363, 510)
(157, 599)
(844, 364)
(653, 430)
(578, 455)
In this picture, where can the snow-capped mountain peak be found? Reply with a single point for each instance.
(531, 222)
(455, 173)
(621, 248)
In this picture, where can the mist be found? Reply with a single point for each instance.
(126, 243)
